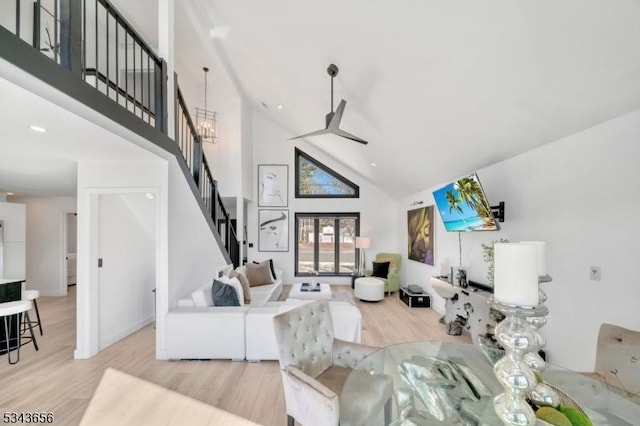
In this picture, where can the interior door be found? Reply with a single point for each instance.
(126, 265)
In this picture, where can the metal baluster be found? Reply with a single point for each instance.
(107, 14)
(97, 49)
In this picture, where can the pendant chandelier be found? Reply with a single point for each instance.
(205, 119)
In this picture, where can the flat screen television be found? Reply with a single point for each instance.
(463, 206)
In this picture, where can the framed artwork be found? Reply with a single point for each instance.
(420, 235)
(273, 230)
(273, 189)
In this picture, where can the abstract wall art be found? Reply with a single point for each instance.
(420, 235)
(273, 230)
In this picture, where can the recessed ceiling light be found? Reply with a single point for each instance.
(149, 195)
(280, 107)
(374, 165)
(38, 129)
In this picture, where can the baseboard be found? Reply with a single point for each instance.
(110, 340)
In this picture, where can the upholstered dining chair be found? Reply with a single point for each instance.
(315, 367)
(392, 280)
(618, 358)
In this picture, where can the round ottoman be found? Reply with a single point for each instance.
(369, 289)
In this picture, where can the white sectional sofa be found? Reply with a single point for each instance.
(242, 332)
(213, 332)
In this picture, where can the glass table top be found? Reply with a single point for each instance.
(439, 383)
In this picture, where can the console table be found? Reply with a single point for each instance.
(471, 311)
(454, 383)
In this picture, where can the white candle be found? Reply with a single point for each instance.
(516, 274)
(542, 255)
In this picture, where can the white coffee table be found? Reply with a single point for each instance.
(297, 293)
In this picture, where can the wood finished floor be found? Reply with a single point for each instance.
(50, 380)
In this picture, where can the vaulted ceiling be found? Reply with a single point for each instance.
(438, 88)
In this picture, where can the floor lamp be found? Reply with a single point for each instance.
(361, 244)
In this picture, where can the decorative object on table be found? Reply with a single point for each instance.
(273, 189)
(487, 256)
(449, 391)
(361, 244)
(205, 119)
(273, 232)
(420, 235)
(517, 338)
(541, 393)
(519, 268)
(459, 277)
(332, 119)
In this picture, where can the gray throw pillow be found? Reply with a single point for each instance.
(224, 294)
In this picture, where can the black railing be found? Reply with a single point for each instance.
(118, 63)
(191, 147)
(90, 38)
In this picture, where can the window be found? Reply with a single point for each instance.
(326, 242)
(315, 180)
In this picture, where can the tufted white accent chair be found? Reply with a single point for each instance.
(315, 366)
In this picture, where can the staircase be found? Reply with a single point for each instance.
(94, 42)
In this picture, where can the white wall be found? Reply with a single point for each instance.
(578, 195)
(100, 178)
(14, 246)
(46, 217)
(127, 276)
(377, 210)
(193, 252)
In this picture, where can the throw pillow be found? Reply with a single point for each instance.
(202, 296)
(259, 274)
(246, 290)
(392, 263)
(235, 283)
(380, 269)
(271, 268)
(224, 294)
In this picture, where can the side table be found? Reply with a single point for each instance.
(414, 300)
(354, 277)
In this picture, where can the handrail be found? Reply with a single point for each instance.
(122, 66)
(190, 145)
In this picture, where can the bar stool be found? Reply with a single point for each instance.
(32, 295)
(10, 312)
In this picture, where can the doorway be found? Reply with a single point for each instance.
(126, 265)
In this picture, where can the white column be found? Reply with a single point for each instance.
(166, 13)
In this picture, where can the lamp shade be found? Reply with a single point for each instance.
(363, 242)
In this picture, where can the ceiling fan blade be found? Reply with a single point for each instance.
(316, 133)
(337, 116)
(347, 135)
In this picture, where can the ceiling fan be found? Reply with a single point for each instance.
(332, 119)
